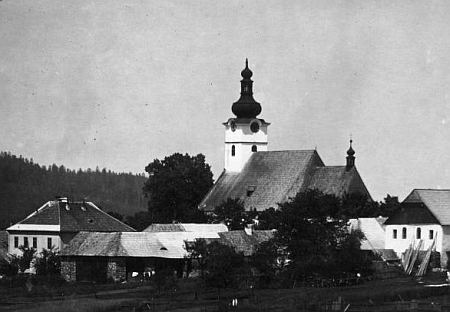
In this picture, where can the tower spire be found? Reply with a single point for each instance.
(350, 156)
(246, 106)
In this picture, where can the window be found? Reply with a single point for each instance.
(394, 234)
(254, 148)
(404, 233)
(233, 150)
(16, 242)
(418, 233)
(35, 242)
(49, 243)
(431, 235)
(25, 241)
(250, 190)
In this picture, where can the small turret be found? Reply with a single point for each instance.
(350, 157)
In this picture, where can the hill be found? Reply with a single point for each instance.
(25, 186)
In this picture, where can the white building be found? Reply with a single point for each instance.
(424, 215)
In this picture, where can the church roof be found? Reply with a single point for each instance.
(269, 178)
(70, 217)
(424, 206)
(186, 227)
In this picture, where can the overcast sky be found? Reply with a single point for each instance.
(117, 84)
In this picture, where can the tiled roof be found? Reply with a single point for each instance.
(270, 178)
(412, 213)
(337, 180)
(243, 242)
(73, 217)
(187, 227)
(437, 201)
(373, 231)
(132, 244)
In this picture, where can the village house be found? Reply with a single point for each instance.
(262, 179)
(424, 218)
(101, 257)
(55, 223)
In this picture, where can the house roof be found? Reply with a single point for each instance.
(243, 242)
(373, 230)
(70, 217)
(424, 206)
(187, 227)
(269, 178)
(132, 244)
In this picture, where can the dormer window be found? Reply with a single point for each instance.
(250, 190)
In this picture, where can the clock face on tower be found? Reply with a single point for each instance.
(254, 126)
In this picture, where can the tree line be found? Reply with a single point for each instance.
(25, 186)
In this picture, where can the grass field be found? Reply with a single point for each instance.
(189, 297)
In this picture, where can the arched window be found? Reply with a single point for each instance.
(254, 148)
(418, 233)
(233, 150)
(404, 233)
(394, 234)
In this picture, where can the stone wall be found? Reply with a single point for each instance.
(69, 269)
(116, 270)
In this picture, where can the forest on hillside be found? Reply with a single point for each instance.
(25, 186)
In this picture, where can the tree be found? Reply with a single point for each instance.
(223, 265)
(25, 259)
(311, 232)
(198, 251)
(175, 187)
(232, 213)
(389, 206)
(48, 262)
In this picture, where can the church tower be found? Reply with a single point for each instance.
(245, 134)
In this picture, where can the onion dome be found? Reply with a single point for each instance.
(246, 106)
(350, 151)
(350, 157)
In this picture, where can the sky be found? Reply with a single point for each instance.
(117, 84)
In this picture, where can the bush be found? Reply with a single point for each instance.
(48, 262)
(9, 267)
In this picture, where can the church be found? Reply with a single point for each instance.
(261, 178)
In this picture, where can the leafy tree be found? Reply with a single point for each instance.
(223, 265)
(268, 219)
(232, 213)
(25, 259)
(9, 267)
(269, 260)
(139, 221)
(175, 187)
(48, 262)
(311, 232)
(389, 206)
(198, 251)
